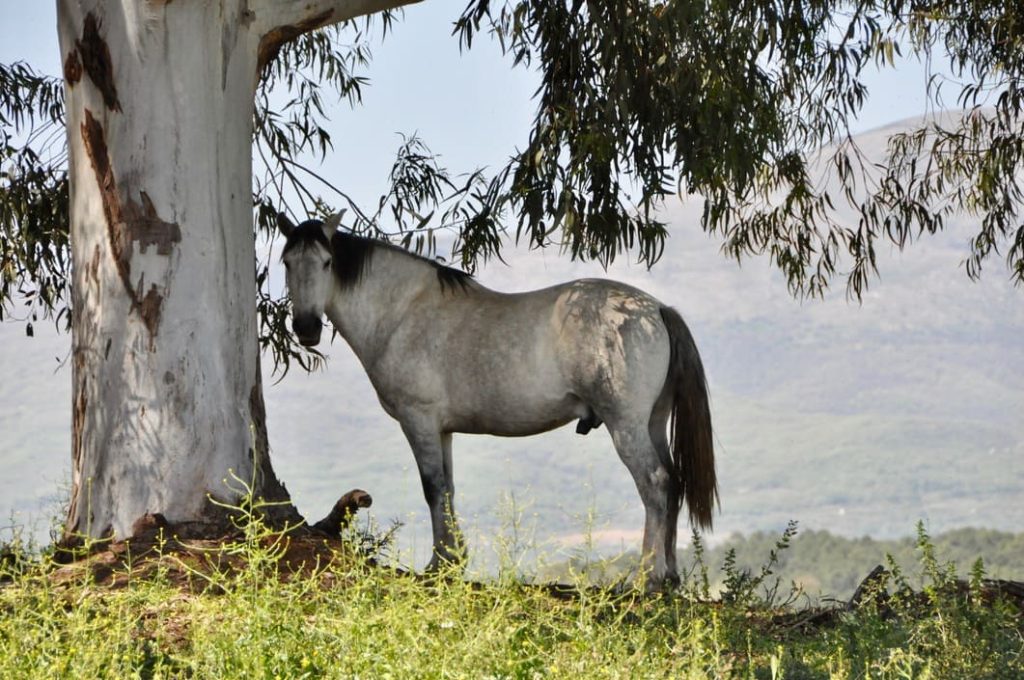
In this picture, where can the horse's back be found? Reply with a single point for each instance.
(561, 326)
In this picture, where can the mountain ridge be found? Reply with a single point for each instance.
(856, 418)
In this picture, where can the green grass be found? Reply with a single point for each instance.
(257, 615)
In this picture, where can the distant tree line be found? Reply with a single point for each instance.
(824, 565)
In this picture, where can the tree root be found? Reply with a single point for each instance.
(342, 513)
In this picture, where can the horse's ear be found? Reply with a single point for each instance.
(332, 223)
(284, 224)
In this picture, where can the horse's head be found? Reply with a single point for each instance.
(307, 258)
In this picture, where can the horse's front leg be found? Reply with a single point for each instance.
(432, 450)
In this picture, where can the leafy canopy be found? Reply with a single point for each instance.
(733, 99)
(747, 103)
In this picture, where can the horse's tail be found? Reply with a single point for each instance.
(691, 442)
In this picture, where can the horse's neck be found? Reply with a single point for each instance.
(366, 313)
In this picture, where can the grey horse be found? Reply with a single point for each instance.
(446, 354)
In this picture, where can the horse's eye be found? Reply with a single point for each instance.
(327, 265)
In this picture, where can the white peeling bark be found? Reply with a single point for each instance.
(167, 398)
(290, 12)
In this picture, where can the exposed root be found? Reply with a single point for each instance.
(343, 512)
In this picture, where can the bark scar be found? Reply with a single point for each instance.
(72, 68)
(79, 410)
(95, 57)
(272, 40)
(150, 309)
(129, 223)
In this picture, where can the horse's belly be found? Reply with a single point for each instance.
(512, 419)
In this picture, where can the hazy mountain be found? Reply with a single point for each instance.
(859, 419)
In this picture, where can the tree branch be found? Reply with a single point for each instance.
(284, 20)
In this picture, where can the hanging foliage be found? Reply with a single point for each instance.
(638, 101)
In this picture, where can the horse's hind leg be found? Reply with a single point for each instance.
(432, 450)
(659, 437)
(653, 480)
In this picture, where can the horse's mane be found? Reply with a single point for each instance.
(352, 255)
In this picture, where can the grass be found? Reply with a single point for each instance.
(285, 606)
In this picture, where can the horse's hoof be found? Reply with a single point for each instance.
(661, 585)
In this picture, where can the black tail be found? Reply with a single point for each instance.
(692, 445)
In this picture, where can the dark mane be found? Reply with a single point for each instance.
(352, 255)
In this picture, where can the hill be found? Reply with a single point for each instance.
(858, 419)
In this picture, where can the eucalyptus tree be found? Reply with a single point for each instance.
(164, 103)
(158, 107)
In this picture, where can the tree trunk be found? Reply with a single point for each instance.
(167, 398)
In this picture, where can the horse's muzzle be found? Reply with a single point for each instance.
(307, 330)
